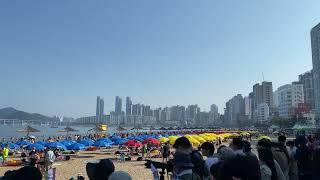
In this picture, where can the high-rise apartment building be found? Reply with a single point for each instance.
(308, 88)
(235, 110)
(128, 106)
(248, 106)
(99, 109)
(214, 114)
(288, 97)
(315, 47)
(191, 112)
(262, 94)
(118, 105)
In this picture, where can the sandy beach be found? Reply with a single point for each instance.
(75, 166)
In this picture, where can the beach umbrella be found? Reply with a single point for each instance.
(41, 142)
(86, 142)
(76, 146)
(28, 130)
(152, 141)
(172, 139)
(120, 141)
(56, 145)
(23, 143)
(264, 137)
(121, 128)
(133, 143)
(114, 138)
(107, 140)
(67, 130)
(163, 140)
(38, 147)
(67, 142)
(10, 145)
(101, 144)
(138, 138)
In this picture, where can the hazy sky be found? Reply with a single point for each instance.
(57, 56)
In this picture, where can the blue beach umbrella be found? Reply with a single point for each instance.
(23, 143)
(56, 145)
(86, 142)
(101, 144)
(10, 145)
(41, 142)
(76, 146)
(139, 138)
(114, 138)
(105, 140)
(67, 142)
(120, 141)
(38, 147)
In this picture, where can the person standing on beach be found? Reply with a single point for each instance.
(144, 150)
(5, 153)
(49, 158)
(165, 152)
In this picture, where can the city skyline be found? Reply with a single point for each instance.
(199, 53)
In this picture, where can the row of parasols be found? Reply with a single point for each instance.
(131, 141)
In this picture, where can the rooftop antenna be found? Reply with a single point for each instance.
(262, 77)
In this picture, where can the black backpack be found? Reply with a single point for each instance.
(199, 164)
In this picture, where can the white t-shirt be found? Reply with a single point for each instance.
(211, 161)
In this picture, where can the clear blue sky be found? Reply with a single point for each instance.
(57, 56)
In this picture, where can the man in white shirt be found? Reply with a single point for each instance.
(49, 158)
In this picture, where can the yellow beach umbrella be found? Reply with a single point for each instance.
(264, 137)
(244, 133)
(172, 139)
(164, 140)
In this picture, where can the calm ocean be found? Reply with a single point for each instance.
(8, 131)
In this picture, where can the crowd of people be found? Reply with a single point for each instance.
(297, 159)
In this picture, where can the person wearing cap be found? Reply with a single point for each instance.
(100, 170)
(182, 167)
(120, 175)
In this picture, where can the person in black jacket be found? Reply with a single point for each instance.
(304, 158)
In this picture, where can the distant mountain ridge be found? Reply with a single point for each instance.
(11, 113)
